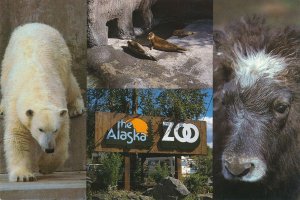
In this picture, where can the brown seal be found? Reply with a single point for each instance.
(163, 45)
(139, 50)
(182, 33)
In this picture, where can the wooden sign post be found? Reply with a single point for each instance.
(127, 172)
(178, 169)
(149, 136)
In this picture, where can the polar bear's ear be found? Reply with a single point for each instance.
(63, 112)
(29, 113)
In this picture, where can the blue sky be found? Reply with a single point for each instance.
(209, 115)
(209, 101)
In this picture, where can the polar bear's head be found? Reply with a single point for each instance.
(45, 126)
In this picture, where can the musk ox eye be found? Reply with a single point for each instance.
(41, 130)
(281, 108)
(223, 102)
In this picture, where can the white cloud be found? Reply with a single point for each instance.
(210, 144)
(209, 129)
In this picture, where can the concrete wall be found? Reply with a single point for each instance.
(69, 17)
(4, 27)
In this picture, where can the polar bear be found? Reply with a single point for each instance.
(38, 92)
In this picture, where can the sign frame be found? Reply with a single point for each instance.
(104, 121)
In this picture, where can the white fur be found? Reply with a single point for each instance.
(36, 75)
(256, 65)
(257, 173)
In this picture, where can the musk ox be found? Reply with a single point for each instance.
(256, 111)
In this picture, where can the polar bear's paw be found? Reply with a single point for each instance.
(76, 108)
(46, 170)
(49, 167)
(21, 176)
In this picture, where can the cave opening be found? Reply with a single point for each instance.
(137, 19)
(112, 28)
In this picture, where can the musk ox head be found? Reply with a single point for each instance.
(257, 117)
(259, 97)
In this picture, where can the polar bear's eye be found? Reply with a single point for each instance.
(41, 130)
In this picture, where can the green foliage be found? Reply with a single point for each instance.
(104, 100)
(118, 100)
(198, 183)
(176, 104)
(147, 103)
(90, 132)
(117, 195)
(94, 103)
(181, 104)
(204, 164)
(191, 197)
(136, 177)
(160, 173)
(110, 171)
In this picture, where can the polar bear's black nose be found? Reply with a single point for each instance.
(49, 150)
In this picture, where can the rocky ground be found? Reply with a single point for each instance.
(129, 195)
(167, 189)
(119, 195)
(110, 66)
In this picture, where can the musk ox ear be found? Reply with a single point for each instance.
(63, 112)
(29, 113)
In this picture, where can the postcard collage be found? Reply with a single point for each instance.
(150, 99)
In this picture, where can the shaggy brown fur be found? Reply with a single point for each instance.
(278, 142)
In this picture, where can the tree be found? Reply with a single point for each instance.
(181, 104)
(204, 163)
(176, 104)
(109, 173)
(199, 182)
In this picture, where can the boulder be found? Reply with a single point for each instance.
(110, 66)
(168, 189)
(115, 18)
(205, 196)
(142, 197)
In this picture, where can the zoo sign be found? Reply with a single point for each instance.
(132, 133)
(180, 136)
(118, 132)
(186, 132)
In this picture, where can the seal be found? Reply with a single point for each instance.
(137, 49)
(163, 45)
(182, 33)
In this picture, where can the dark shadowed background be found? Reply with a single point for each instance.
(277, 12)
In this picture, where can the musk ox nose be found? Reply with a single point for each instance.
(49, 150)
(237, 167)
